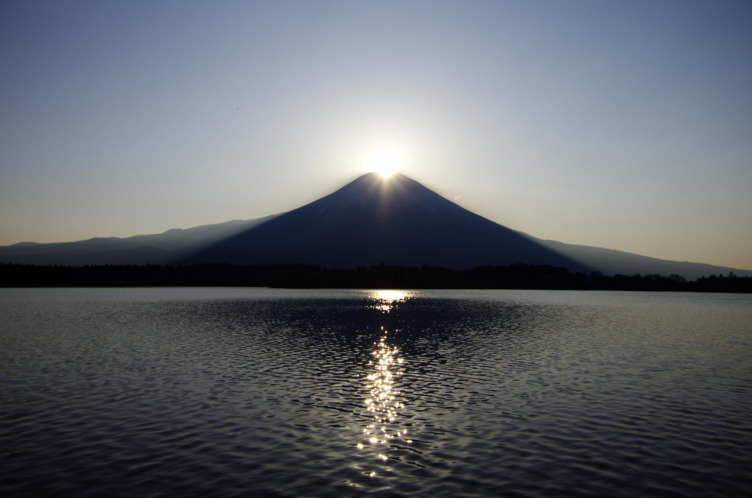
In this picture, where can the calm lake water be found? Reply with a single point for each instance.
(259, 392)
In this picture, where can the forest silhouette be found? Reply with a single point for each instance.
(518, 276)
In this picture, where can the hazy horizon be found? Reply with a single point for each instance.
(625, 126)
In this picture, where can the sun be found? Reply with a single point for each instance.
(385, 163)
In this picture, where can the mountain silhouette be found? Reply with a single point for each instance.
(396, 221)
(371, 220)
(160, 248)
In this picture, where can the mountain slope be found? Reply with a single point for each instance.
(371, 220)
(160, 248)
(613, 262)
(368, 221)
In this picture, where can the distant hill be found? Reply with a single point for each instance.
(371, 220)
(613, 262)
(160, 248)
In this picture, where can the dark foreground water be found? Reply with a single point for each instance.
(257, 392)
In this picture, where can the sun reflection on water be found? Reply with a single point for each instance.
(386, 300)
(384, 400)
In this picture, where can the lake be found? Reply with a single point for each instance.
(154, 392)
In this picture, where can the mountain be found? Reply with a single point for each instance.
(371, 220)
(161, 248)
(397, 221)
(613, 262)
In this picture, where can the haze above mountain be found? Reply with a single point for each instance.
(372, 220)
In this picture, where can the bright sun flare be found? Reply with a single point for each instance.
(385, 163)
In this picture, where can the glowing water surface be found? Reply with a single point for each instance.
(384, 398)
(259, 392)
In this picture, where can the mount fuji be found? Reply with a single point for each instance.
(397, 221)
(371, 220)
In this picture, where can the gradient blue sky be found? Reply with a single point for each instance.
(625, 125)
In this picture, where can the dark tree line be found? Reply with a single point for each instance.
(377, 276)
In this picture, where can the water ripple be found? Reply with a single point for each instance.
(238, 392)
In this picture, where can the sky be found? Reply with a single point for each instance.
(625, 125)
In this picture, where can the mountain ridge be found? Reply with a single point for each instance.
(367, 221)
